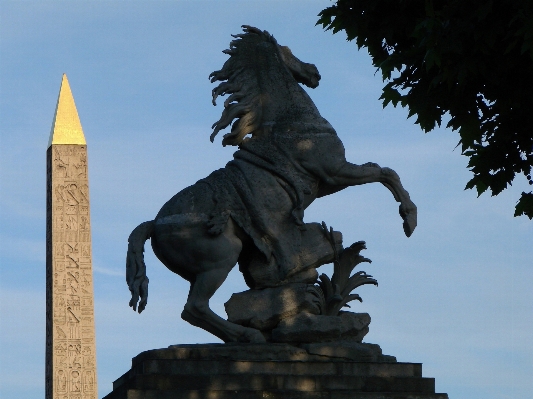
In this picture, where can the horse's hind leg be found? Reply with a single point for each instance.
(205, 260)
(198, 313)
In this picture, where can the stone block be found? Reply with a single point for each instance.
(324, 366)
(307, 383)
(334, 370)
(273, 394)
(354, 351)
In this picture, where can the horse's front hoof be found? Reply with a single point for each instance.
(409, 220)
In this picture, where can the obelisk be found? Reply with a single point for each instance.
(70, 335)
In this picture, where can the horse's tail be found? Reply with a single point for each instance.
(135, 267)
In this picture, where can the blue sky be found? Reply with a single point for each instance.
(455, 296)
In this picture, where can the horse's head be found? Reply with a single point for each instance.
(261, 77)
(303, 72)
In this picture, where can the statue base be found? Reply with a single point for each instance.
(335, 370)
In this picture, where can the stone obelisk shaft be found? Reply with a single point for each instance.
(70, 333)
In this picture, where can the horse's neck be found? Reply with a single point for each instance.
(286, 103)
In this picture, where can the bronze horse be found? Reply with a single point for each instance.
(251, 212)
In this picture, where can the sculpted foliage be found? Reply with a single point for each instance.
(469, 59)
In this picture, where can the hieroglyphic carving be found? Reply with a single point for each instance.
(71, 352)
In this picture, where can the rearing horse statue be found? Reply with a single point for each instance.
(251, 211)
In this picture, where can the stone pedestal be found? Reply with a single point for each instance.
(279, 371)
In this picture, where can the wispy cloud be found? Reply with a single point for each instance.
(109, 272)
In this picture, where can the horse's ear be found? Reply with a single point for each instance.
(285, 52)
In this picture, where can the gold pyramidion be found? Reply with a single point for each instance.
(66, 127)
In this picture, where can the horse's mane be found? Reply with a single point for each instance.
(244, 101)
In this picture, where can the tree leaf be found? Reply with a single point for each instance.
(525, 205)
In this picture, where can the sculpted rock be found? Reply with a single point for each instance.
(306, 327)
(264, 309)
(354, 326)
